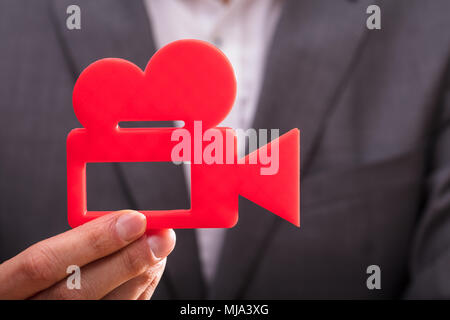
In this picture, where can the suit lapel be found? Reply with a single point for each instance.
(114, 28)
(313, 52)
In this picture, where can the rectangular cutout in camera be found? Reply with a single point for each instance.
(151, 124)
(137, 185)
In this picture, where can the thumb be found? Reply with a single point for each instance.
(161, 242)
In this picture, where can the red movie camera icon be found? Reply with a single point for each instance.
(186, 80)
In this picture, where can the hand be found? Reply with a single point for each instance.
(117, 261)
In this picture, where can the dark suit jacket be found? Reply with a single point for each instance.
(373, 109)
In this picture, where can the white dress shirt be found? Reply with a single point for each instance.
(243, 30)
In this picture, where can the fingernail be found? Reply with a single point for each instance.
(130, 225)
(161, 243)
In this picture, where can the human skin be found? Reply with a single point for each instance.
(117, 260)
